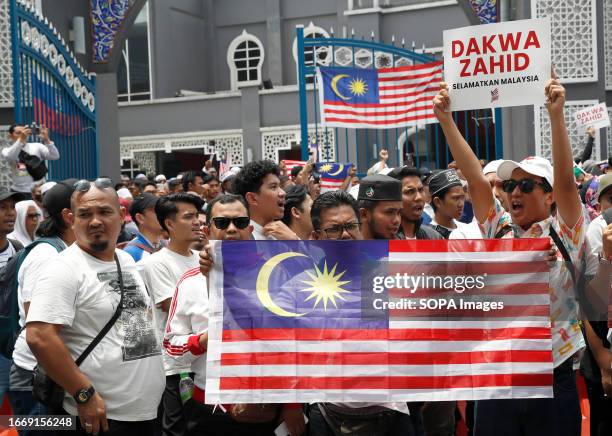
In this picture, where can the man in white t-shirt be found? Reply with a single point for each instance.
(447, 201)
(259, 184)
(178, 215)
(186, 336)
(117, 388)
(57, 232)
(21, 179)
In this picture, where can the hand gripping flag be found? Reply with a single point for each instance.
(332, 175)
(350, 321)
(381, 99)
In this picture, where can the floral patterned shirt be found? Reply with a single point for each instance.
(567, 337)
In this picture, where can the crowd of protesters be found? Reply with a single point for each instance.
(135, 252)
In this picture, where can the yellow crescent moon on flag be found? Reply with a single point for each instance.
(263, 281)
(340, 168)
(334, 85)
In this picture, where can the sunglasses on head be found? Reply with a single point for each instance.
(84, 185)
(241, 222)
(525, 185)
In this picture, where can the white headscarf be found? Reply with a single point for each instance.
(20, 233)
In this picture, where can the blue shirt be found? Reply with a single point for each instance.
(137, 252)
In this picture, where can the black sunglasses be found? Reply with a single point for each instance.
(525, 185)
(241, 222)
(84, 185)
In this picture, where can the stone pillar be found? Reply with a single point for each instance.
(251, 122)
(107, 120)
(274, 50)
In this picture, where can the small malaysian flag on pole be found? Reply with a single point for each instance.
(382, 98)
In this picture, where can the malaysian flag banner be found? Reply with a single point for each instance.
(332, 175)
(51, 111)
(289, 164)
(382, 98)
(379, 321)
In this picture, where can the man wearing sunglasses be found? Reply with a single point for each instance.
(529, 185)
(186, 336)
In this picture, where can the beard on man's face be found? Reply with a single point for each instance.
(99, 246)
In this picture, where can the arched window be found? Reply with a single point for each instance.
(323, 53)
(245, 56)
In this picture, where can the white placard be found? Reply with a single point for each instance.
(497, 65)
(596, 116)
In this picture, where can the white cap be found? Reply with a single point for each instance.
(160, 178)
(538, 166)
(46, 186)
(385, 171)
(124, 193)
(492, 166)
(141, 177)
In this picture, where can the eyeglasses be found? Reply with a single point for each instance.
(335, 232)
(525, 185)
(241, 222)
(84, 185)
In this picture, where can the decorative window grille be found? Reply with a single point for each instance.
(322, 54)
(6, 63)
(245, 57)
(574, 37)
(577, 135)
(607, 5)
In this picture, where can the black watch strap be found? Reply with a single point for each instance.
(84, 395)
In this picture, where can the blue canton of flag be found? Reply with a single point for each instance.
(297, 285)
(351, 85)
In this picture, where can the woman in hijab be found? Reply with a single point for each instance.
(28, 218)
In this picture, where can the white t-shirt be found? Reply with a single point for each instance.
(466, 231)
(81, 293)
(161, 272)
(22, 181)
(6, 254)
(258, 233)
(27, 278)
(189, 318)
(594, 237)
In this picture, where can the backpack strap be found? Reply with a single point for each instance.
(577, 276)
(502, 232)
(16, 244)
(443, 231)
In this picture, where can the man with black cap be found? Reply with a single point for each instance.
(447, 201)
(147, 240)
(55, 234)
(380, 206)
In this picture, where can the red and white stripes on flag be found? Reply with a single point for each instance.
(289, 164)
(405, 99)
(506, 354)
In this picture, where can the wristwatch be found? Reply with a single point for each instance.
(83, 395)
(603, 260)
